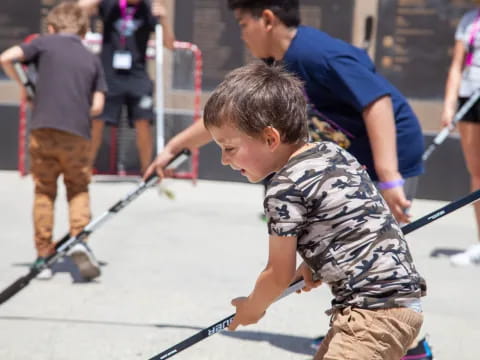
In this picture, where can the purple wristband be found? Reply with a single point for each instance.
(385, 185)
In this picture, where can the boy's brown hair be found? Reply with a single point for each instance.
(256, 96)
(68, 17)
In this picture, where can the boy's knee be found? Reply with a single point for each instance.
(142, 124)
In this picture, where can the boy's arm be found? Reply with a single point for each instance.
(380, 124)
(98, 101)
(8, 57)
(271, 282)
(193, 137)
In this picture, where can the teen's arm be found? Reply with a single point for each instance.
(191, 138)
(453, 83)
(380, 124)
(91, 6)
(160, 12)
(271, 282)
(98, 101)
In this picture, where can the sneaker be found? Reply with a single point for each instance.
(422, 351)
(315, 344)
(469, 257)
(83, 257)
(45, 274)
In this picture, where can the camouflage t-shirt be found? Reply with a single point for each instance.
(345, 232)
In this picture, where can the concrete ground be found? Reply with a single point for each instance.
(170, 268)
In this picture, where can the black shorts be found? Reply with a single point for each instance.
(473, 115)
(137, 96)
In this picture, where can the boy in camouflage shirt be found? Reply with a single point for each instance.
(322, 204)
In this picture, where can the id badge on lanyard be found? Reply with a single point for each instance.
(123, 59)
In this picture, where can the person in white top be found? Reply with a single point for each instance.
(463, 80)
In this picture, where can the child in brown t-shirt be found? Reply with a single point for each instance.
(70, 89)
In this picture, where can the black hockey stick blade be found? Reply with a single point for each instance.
(215, 328)
(224, 323)
(439, 213)
(67, 242)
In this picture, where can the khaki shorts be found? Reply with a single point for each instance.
(359, 334)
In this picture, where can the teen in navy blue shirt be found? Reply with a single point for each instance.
(341, 82)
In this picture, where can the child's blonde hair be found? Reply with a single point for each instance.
(68, 17)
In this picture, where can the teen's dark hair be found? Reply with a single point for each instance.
(256, 96)
(286, 10)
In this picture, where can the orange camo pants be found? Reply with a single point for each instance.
(54, 152)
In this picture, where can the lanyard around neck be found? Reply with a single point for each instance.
(127, 16)
(471, 42)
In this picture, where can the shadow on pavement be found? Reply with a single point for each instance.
(447, 252)
(291, 343)
(66, 265)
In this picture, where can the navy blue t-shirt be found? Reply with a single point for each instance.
(341, 81)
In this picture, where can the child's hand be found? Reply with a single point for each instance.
(159, 164)
(158, 9)
(306, 273)
(447, 116)
(246, 314)
(398, 204)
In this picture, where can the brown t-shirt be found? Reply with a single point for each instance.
(67, 76)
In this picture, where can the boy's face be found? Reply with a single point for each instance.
(251, 156)
(254, 33)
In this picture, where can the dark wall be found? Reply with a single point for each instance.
(8, 137)
(212, 27)
(446, 177)
(414, 43)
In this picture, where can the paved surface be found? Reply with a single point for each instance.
(170, 269)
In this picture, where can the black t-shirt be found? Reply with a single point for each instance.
(131, 35)
(67, 76)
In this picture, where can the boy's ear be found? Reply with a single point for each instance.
(272, 137)
(268, 18)
(50, 29)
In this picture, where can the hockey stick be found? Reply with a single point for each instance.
(67, 242)
(215, 328)
(25, 80)
(440, 138)
(224, 323)
(368, 33)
